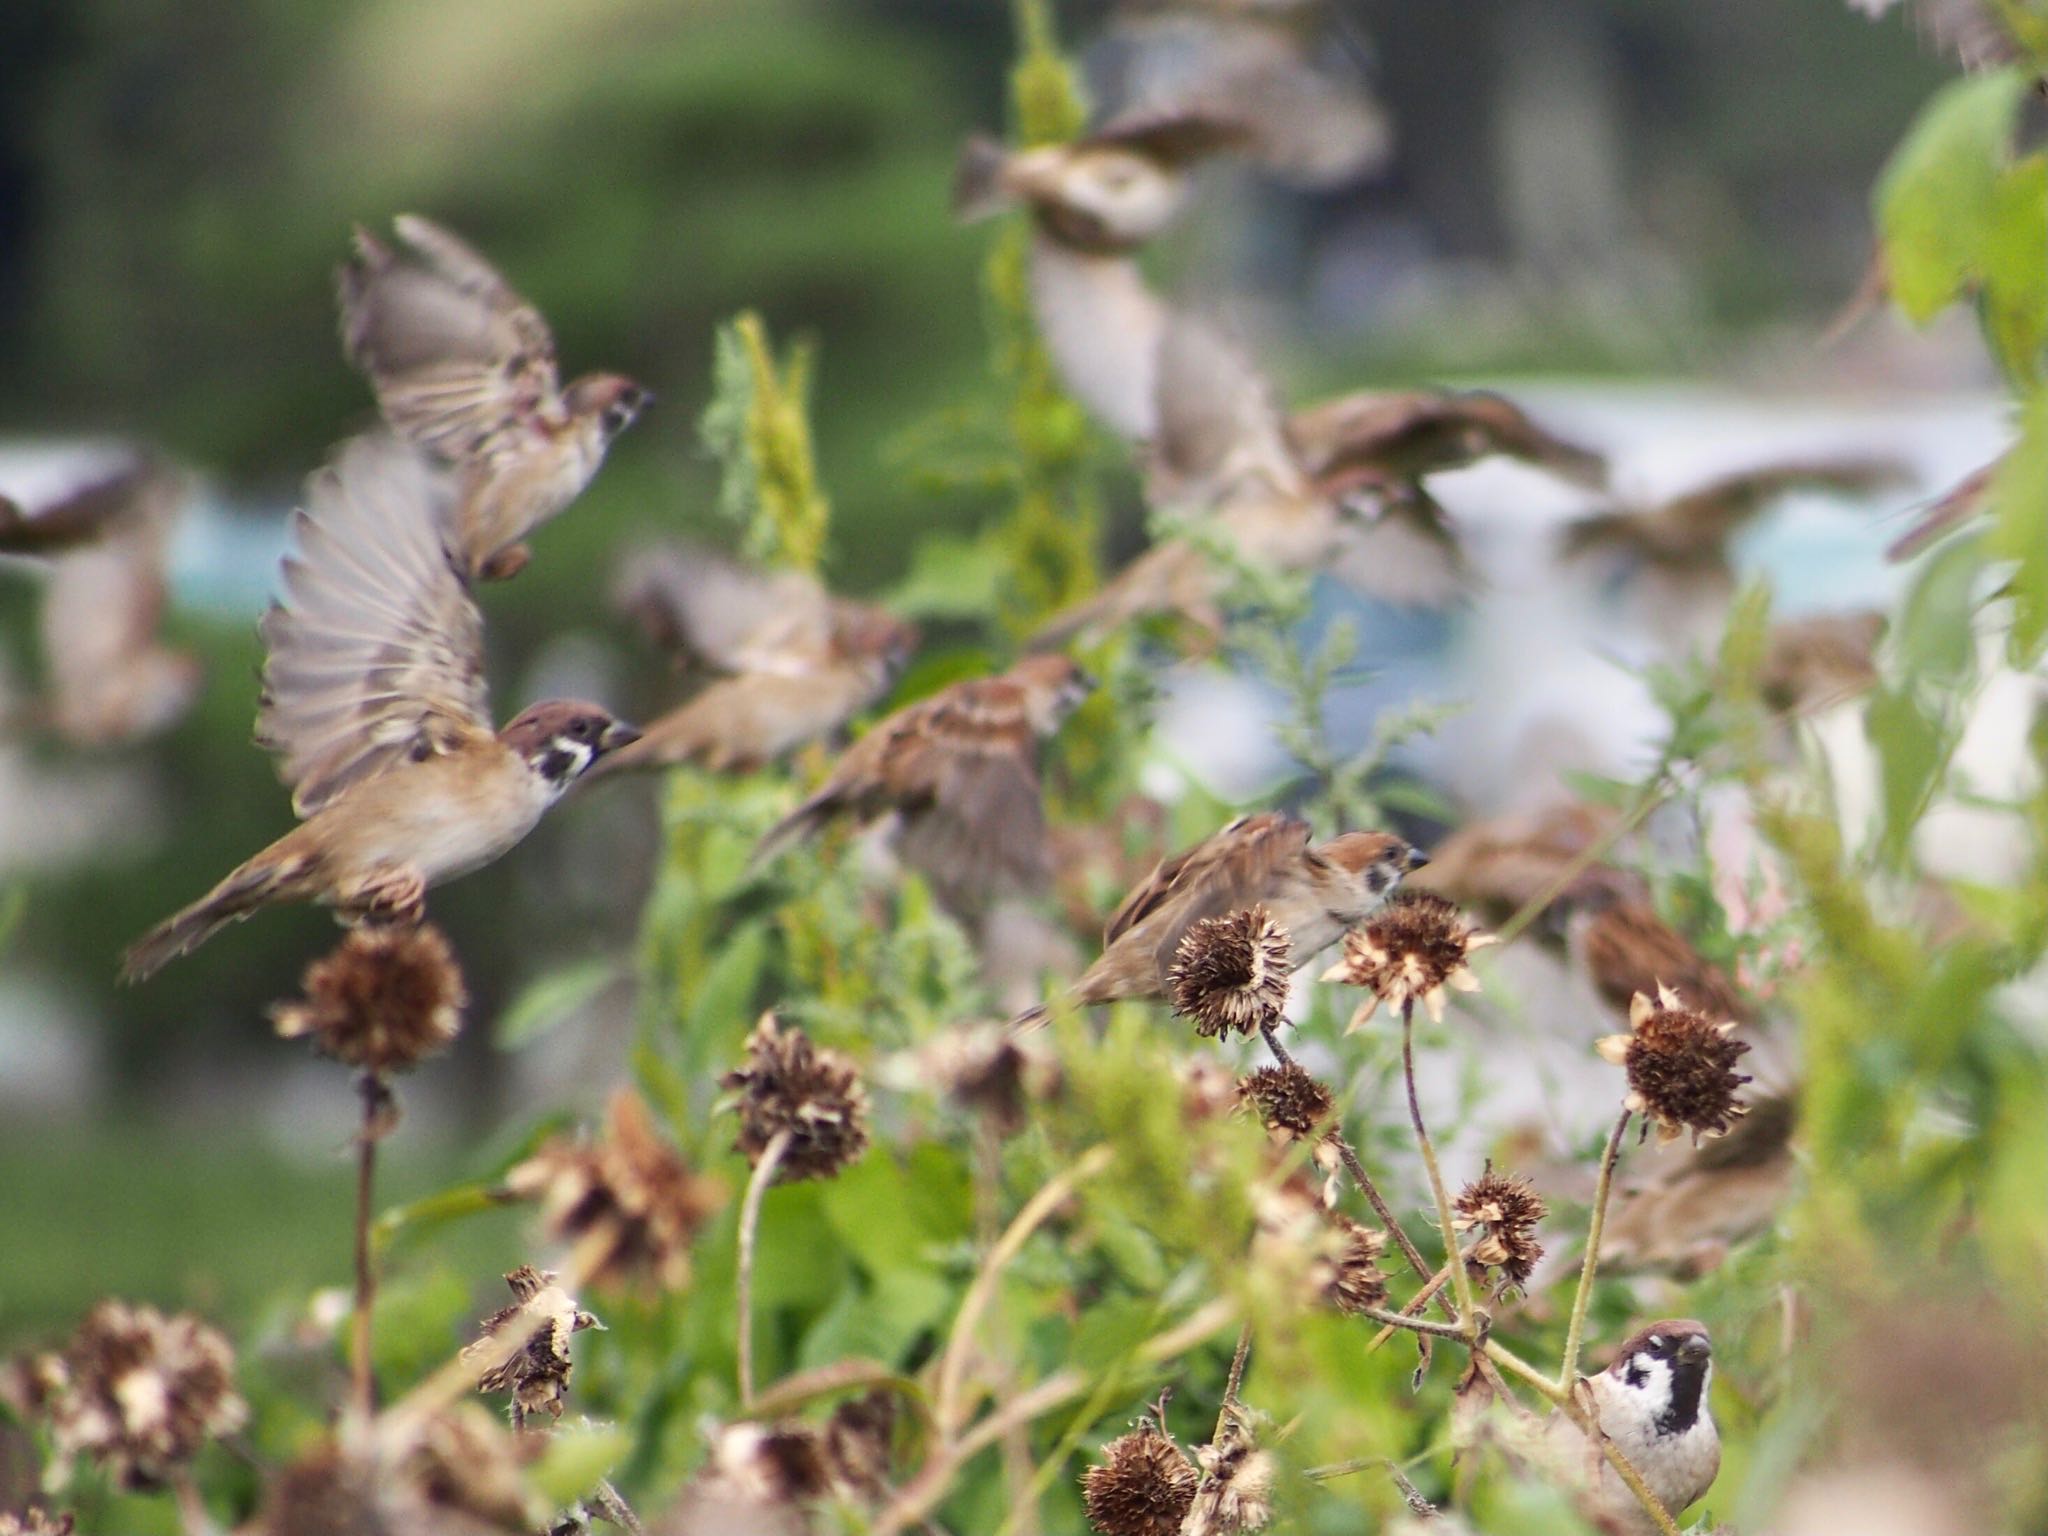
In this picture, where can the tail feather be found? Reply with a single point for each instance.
(978, 189)
(1037, 1016)
(233, 899)
(805, 822)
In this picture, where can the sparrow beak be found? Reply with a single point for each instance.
(1695, 1351)
(616, 735)
(1417, 858)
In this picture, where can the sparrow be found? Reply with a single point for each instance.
(110, 678)
(1316, 891)
(464, 367)
(1498, 865)
(1959, 505)
(959, 772)
(1626, 949)
(1094, 202)
(1702, 1200)
(1394, 439)
(375, 704)
(802, 662)
(1652, 1403)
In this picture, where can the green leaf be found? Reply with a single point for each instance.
(2014, 263)
(2019, 508)
(1938, 199)
(553, 1000)
(436, 1210)
(1909, 742)
(574, 1460)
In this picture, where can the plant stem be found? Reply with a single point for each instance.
(1648, 798)
(750, 1222)
(1461, 1282)
(1394, 1320)
(1568, 1372)
(616, 1509)
(362, 1380)
(1235, 1381)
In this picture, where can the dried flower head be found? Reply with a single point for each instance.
(35, 1522)
(1288, 1099)
(758, 1480)
(625, 1199)
(1232, 973)
(1355, 1281)
(1142, 1487)
(1681, 1067)
(141, 1392)
(1504, 1209)
(1408, 952)
(814, 1096)
(994, 1072)
(457, 1474)
(537, 1375)
(384, 999)
(860, 1439)
(1237, 1480)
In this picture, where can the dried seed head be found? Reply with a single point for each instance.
(35, 1522)
(383, 999)
(1237, 1481)
(463, 1464)
(1231, 973)
(1504, 1209)
(624, 1197)
(1681, 1067)
(141, 1392)
(860, 1439)
(757, 1481)
(537, 1376)
(1288, 1099)
(1142, 1487)
(993, 1072)
(789, 1085)
(1408, 952)
(1355, 1281)
(457, 1474)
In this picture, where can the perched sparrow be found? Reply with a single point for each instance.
(1699, 1201)
(1652, 1403)
(1284, 69)
(110, 678)
(374, 701)
(803, 662)
(1818, 661)
(465, 367)
(1959, 505)
(1093, 203)
(960, 771)
(1314, 892)
(1626, 949)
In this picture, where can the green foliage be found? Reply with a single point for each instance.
(758, 428)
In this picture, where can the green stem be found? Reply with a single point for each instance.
(1461, 1282)
(1575, 1335)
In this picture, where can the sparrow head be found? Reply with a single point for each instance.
(1663, 1372)
(1096, 197)
(614, 400)
(560, 739)
(1377, 860)
(1054, 687)
(862, 630)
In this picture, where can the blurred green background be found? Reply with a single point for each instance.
(178, 179)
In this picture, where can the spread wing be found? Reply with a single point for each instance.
(133, 502)
(1229, 870)
(1412, 434)
(1171, 136)
(457, 358)
(1219, 429)
(1698, 524)
(737, 618)
(375, 650)
(967, 779)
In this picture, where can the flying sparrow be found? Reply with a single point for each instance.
(1094, 203)
(1626, 949)
(465, 367)
(1392, 440)
(374, 702)
(959, 771)
(110, 678)
(1701, 1200)
(1951, 510)
(1498, 865)
(802, 662)
(1652, 1403)
(1315, 892)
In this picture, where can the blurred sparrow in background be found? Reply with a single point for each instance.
(375, 703)
(465, 367)
(802, 662)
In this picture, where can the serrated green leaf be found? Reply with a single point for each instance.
(552, 1000)
(1938, 197)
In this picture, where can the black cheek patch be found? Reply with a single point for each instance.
(556, 765)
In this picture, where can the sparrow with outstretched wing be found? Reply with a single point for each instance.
(465, 367)
(374, 703)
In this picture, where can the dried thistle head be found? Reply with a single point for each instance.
(457, 1473)
(537, 1375)
(1288, 1100)
(1408, 952)
(383, 1000)
(1142, 1486)
(1504, 1209)
(1355, 1281)
(140, 1393)
(815, 1096)
(759, 1479)
(35, 1522)
(994, 1072)
(1232, 973)
(1681, 1067)
(624, 1199)
(1236, 1491)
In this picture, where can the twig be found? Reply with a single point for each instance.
(1235, 1380)
(192, 1512)
(361, 1376)
(1393, 1320)
(1410, 1494)
(1647, 800)
(1461, 1282)
(750, 1222)
(1273, 1044)
(1568, 1372)
(616, 1509)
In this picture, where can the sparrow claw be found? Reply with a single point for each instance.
(397, 898)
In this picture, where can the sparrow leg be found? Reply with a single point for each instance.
(396, 895)
(505, 564)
